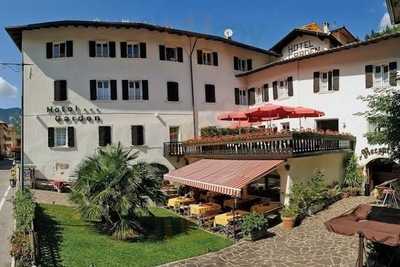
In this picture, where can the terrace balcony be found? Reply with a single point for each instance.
(261, 145)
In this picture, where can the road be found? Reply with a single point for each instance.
(6, 213)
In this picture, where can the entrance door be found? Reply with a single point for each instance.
(332, 125)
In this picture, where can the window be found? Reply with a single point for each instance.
(59, 49)
(328, 125)
(172, 91)
(101, 49)
(285, 126)
(133, 50)
(60, 90)
(326, 81)
(207, 58)
(283, 89)
(265, 93)
(137, 135)
(240, 97)
(251, 95)
(242, 64)
(104, 135)
(135, 90)
(174, 134)
(103, 90)
(61, 136)
(171, 53)
(381, 76)
(210, 93)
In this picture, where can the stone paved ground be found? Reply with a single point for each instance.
(51, 197)
(310, 245)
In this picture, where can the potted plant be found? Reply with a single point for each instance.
(288, 215)
(254, 226)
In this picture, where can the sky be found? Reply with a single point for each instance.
(260, 23)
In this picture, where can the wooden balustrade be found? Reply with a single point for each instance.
(272, 147)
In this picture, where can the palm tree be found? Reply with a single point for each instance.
(113, 190)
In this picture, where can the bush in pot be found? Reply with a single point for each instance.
(288, 215)
(353, 177)
(254, 226)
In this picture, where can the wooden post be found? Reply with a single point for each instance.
(360, 259)
(234, 219)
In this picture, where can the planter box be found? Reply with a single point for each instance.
(257, 235)
(315, 208)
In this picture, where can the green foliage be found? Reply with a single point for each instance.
(254, 222)
(21, 249)
(290, 211)
(387, 30)
(115, 191)
(383, 255)
(309, 192)
(214, 131)
(24, 209)
(352, 174)
(384, 113)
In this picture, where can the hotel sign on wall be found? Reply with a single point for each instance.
(367, 153)
(74, 114)
(301, 49)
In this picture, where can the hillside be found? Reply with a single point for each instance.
(8, 113)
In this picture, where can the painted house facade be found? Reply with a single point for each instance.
(95, 83)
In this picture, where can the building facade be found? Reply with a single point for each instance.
(94, 83)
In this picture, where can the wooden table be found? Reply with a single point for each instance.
(265, 207)
(225, 218)
(176, 202)
(200, 209)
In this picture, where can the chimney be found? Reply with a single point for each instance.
(325, 27)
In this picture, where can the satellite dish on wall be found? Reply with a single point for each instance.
(228, 33)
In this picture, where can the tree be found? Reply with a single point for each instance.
(384, 113)
(114, 191)
(387, 30)
(352, 176)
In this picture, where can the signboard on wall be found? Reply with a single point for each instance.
(301, 49)
(74, 114)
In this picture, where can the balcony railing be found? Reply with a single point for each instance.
(279, 146)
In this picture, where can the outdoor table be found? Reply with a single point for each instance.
(176, 202)
(225, 218)
(265, 207)
(200, 209)
(230, 203)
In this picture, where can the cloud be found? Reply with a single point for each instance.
(7, 89)
(385, 22)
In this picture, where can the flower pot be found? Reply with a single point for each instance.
(288, 223)
(345, 194)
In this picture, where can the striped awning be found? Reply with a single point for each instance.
(222, 176)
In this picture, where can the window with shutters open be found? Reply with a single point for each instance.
(265, 93)
(171, 53)
(59, 49)
(381, 76)
(103, 90)
(102, 49)
(104, 135)
(135, 91)
(172, 91)
(61, 137)
(133, 50)
(326, 81)
(137, 135)
(242, 64)
(205, 57)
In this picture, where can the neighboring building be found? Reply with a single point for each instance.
(3, 139)
(393, 7)
(95, 83)
(13, 143)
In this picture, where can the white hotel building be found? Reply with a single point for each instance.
(95, 83)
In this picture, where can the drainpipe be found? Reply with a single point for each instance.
(195, 122)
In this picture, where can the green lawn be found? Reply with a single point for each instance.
(66, 240)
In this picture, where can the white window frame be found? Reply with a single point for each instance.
(259, 95)
(207, 57)
(242, 64)
(56, 47)
(283, 91)
(101, 94)
(104, 49)
(135, 92)
(57, 132)
(175, 58)
(243, 96)
(381, 81)
(133, 54)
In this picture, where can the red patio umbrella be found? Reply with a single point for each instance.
(269, 111)
(303, 112)
(233, 116)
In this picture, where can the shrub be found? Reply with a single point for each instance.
(21, 248)
(253, 222)
(290, 211)
(24, 209)
(113, 191)
(352, 174)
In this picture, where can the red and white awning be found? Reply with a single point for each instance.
(222, 176)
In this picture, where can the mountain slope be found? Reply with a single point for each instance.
(8, 114)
